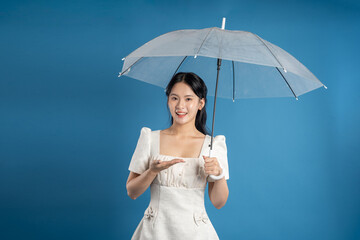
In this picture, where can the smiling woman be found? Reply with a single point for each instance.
(174, 164)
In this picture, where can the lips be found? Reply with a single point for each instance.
(181, 114)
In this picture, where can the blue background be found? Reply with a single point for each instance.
(69, 126)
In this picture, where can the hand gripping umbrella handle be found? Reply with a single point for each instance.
(215, 178)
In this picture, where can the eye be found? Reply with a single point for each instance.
(173, 98)
(189, 99)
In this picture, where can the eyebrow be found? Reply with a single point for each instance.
(178, 95)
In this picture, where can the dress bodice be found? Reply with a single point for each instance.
(189, 174)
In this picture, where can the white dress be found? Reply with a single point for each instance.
(176, 209)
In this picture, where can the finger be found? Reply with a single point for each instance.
(209, 168)
(205, 157)
(212, 171)
(210, 159)
(210, 164)
(175, 161)
(178, 160)
(172, 162)
(215, 173)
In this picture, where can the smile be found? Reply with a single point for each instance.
(181, 115)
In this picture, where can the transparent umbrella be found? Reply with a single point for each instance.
(251, 67)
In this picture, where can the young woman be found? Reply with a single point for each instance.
(174, 162)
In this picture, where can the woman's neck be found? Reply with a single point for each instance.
(183, 130)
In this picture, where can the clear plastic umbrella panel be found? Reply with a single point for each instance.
(251, 67)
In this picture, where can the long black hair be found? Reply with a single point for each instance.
(199, 88)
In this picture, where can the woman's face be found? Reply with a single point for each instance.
(184, 104)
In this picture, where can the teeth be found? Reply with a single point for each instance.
(180, 113)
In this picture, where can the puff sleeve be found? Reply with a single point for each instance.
(140, 159)
(220, 152)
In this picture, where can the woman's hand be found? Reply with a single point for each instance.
(212, 166)
(138, 183)
(157, 166)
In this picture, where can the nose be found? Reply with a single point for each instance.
(180, 105)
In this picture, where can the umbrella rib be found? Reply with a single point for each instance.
(287, 83)
(179, 65)
(129, 67)
(203, 41)
(269, 50)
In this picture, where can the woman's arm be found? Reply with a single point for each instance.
(138, 183)
(218, 190)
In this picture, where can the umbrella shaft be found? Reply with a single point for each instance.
(218, 67)
(213, 120)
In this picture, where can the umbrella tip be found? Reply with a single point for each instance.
(223, 23)
(122, 59)
(297, 99)
(325, 87)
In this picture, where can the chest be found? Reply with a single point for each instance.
(185, 148)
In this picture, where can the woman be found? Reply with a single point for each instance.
(174, 162)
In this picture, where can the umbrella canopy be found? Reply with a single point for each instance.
(251, 66)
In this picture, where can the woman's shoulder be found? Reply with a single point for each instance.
(146, 129)
(220, 137)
